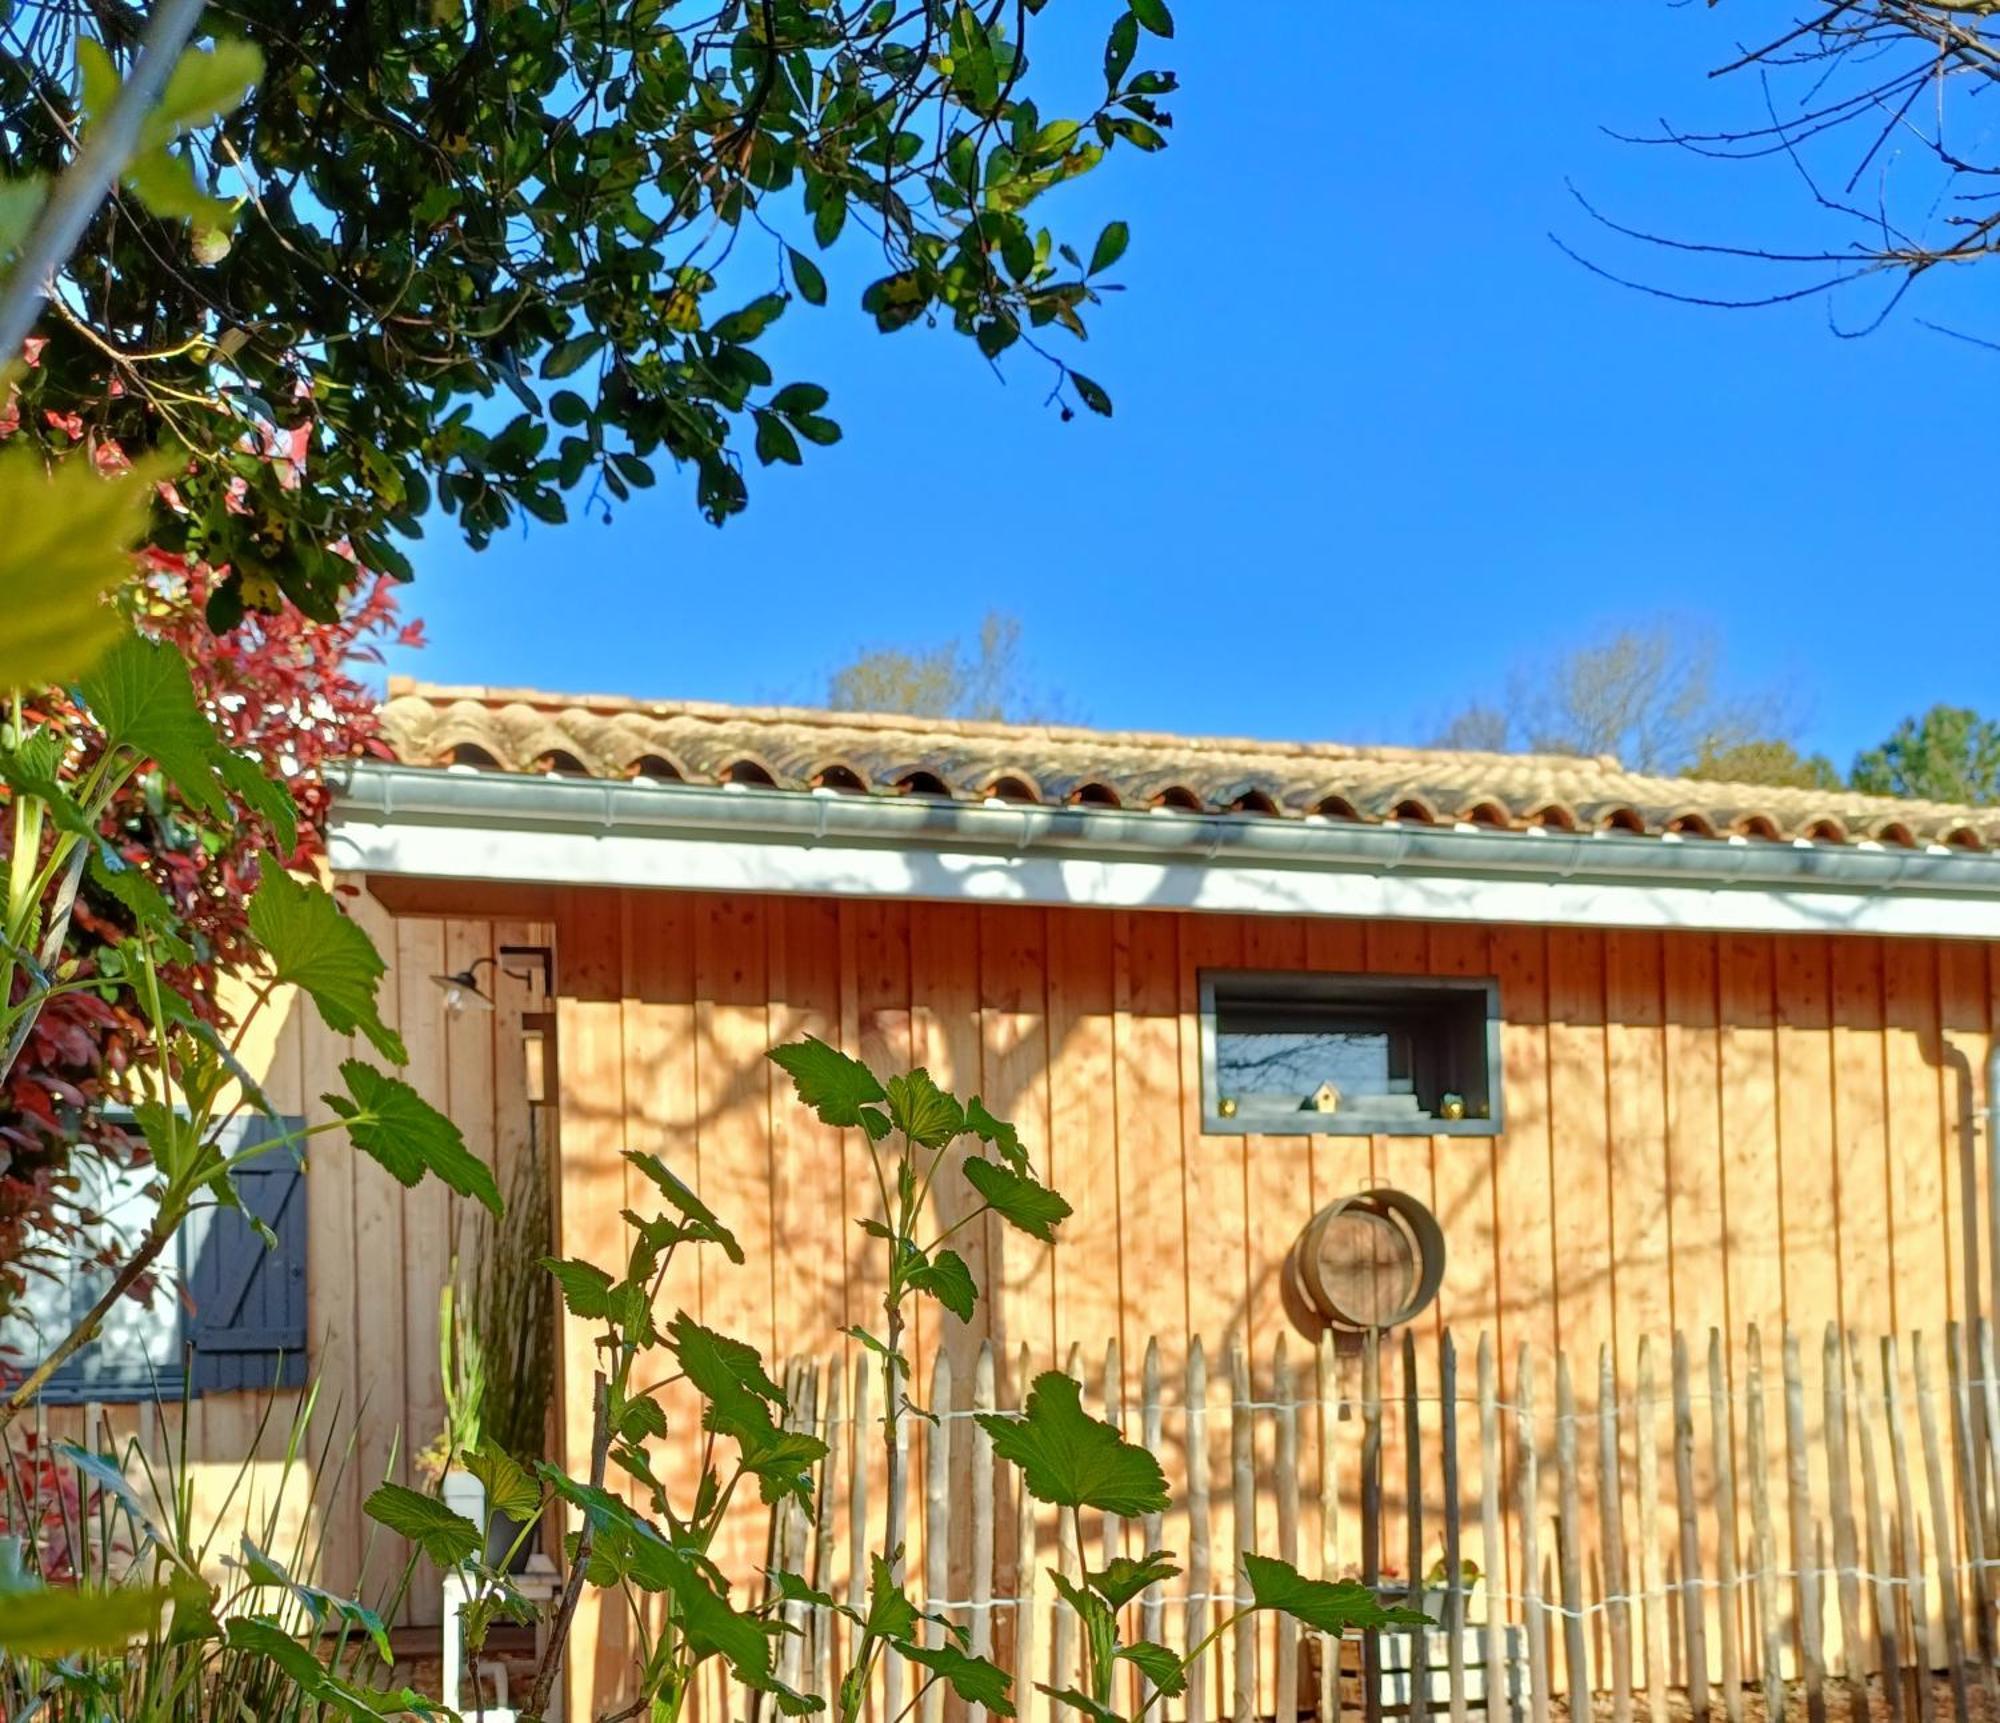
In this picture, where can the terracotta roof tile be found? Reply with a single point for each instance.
(520, 730)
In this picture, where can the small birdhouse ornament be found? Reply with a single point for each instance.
(1324, 1099)
(1451, 1106)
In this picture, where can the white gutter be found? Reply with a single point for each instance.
(494, 826)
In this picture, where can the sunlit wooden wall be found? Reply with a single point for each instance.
(1699, 1129)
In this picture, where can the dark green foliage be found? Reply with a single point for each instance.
(1950, 754)
(446, 209)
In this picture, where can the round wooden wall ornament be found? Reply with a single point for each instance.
(1370, 1261)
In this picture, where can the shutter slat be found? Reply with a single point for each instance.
(250, 1300)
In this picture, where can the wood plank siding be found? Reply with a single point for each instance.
(1701, 1130)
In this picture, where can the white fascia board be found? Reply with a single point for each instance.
(1221, 885)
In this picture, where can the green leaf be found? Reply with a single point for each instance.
(891, 1615)
(798, 398)
(447, 1538)
(835, 1086)
(21, 202)
(683, 1197)
(1159, 1665)
(1072, 1459)
(263, 795)
(314, 947)
(509, 1488)
(569, 356)
(205, 84)
(1083, 1702)
(68, 543)
(1123, 1578)
(165, 183)
(922, 1111)
(806, 275)
(586, 1288)
(34, 769)
(390, 1121)
(1110, 246)
(1119, 48)
(946, 1278)
(794, 1589)
(144, 901)
(973, 1679)
(775, 441)
(263, 1637)
(55, 1622)
(109, 1477)
(750, 322)
(996, 1132)
(143, 699)
(264, 1570)
(1018, 1198)
(171, 1139)
(1154, 15)
(740, 1401)
(1326, 1605)
(1091, 394)
(824, 432)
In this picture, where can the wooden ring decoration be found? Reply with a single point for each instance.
(1369, 1261)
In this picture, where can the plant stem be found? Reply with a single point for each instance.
(559, 1629)
(157, 1240)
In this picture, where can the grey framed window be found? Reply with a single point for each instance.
(227, 1312)
(1285, 1053)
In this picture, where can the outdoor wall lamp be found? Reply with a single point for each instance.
(463, 993)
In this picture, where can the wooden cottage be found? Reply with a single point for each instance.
(1318, 1041)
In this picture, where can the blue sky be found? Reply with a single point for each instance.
(1376, 437)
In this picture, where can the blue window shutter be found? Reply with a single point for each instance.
(247, 1325)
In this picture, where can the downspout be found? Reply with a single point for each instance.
(1991, 1118)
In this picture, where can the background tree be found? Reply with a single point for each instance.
(951, 680)
(1771, 761)
(1950, 754)
(1646, 694)
(1839, 95)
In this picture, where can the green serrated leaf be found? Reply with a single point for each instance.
(586, 1288)
(1018, 1198)
(973, 1679)
(390, 1121)
(143, 699)
(1076, 1701)
(1124, 1577)
(947, 1279)
(996, 1132)
(262, 794)
(446, 1537)
(1159, 1665)
(922, 1111)
(836, 1087)
(1329, 1606)
(509, 1488)
(683, 1197)
(891, 1615)
(1072, 1459)
(313, 946)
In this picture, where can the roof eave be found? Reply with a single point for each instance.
(569, 830)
